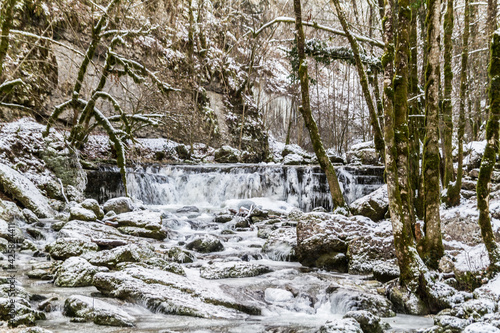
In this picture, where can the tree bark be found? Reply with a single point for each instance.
(489, 157)
(453, 197)
(7, 14)
(449, 174)
(377, 132)
(431, 248)
(305, 110)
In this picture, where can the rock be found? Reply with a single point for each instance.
(63, 248)
(481, 328)
(48, 305)
(281, 244)
(93, 205)
(179, 255)
(35, 233)
(227, 154)
(29, 216)
(223, 218)
(276, 295)
(96, 310)
(35, 330)
(369, 323)
(373, 205)
(23, 190)
(318, 243)
(82, 214)
(9, 211)
(473, 153)
(44, 271)
(450, 323)
(140, 223)
(205, 244)
(346, 325)
(475, 309)
(404, 301)
(188, 209)
(170, 293)
(183, 152)
(385, 272)
(4, 244)
(24, 314)
(232, 270)
(164, 265)
(293, 159)
(346, 300)
(76, 272)
(93, 232)
(127, 253)
(11, 232)
(119, 205)
(363, 153)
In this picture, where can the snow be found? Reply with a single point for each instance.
(481, 328)
(274, 295)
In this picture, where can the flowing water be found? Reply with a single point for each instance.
(293, 298)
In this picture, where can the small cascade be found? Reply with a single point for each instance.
(305, 187)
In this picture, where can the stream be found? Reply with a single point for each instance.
(294, 298)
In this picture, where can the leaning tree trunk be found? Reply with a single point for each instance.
(431, 248)
(305, 110)
(489, 157)
(453, 195)
(377, 132)
(449, 174)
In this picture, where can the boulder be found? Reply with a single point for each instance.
(481, 328)
(385, 272)
(127, 253)
(373, 205)
(226, 270)
(205, 244)
(318, 244)
(363, 153)
(170, 293)
(119, 205)
(294, 159)
(93, 205)
(63, 248)
(227, 154)
(94, 232)
(346, 325)
(97, 311)
(10, 231)
(344, 300)
(76, 272)
(178, 255)
(23, 190)
(24, 314)
(82, 214)
(281, 244)
(369, 323)
(29, 216)
(450, 323)
(474, 308)
(188, 209)
(140, 223)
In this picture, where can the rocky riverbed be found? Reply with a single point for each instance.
(241, 265)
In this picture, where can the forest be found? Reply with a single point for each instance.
(249, 166)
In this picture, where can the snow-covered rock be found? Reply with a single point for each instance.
(481, 328)
(97, 311)
(179, 255)
(368, 322)
(473, 153)
(218, 270)
(93, 205)
(64, 248)
(346, 325)
(275, 295)
(280, 244)
(127, 253)
(363, 153)
(119, 205)
(227, 154)
(82, 214)
(24, 314)
(23, 190)
(373, 205)
(170, 293)
(140, 223)
(76, 272)
(205, 244)
(293, 159)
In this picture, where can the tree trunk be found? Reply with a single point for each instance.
(453, 197)
(432, 246)
(305, 110)
(409, 262)
(7, 15)
(489, 157)
(377, 132)
(449, 174)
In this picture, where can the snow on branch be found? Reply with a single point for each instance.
(7, 86)
(315, 25)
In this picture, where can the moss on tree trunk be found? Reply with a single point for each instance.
(431, 247)
(489, 157)
(7, 14)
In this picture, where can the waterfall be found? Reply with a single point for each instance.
(210, 185)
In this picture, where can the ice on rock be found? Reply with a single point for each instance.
(274, 295)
